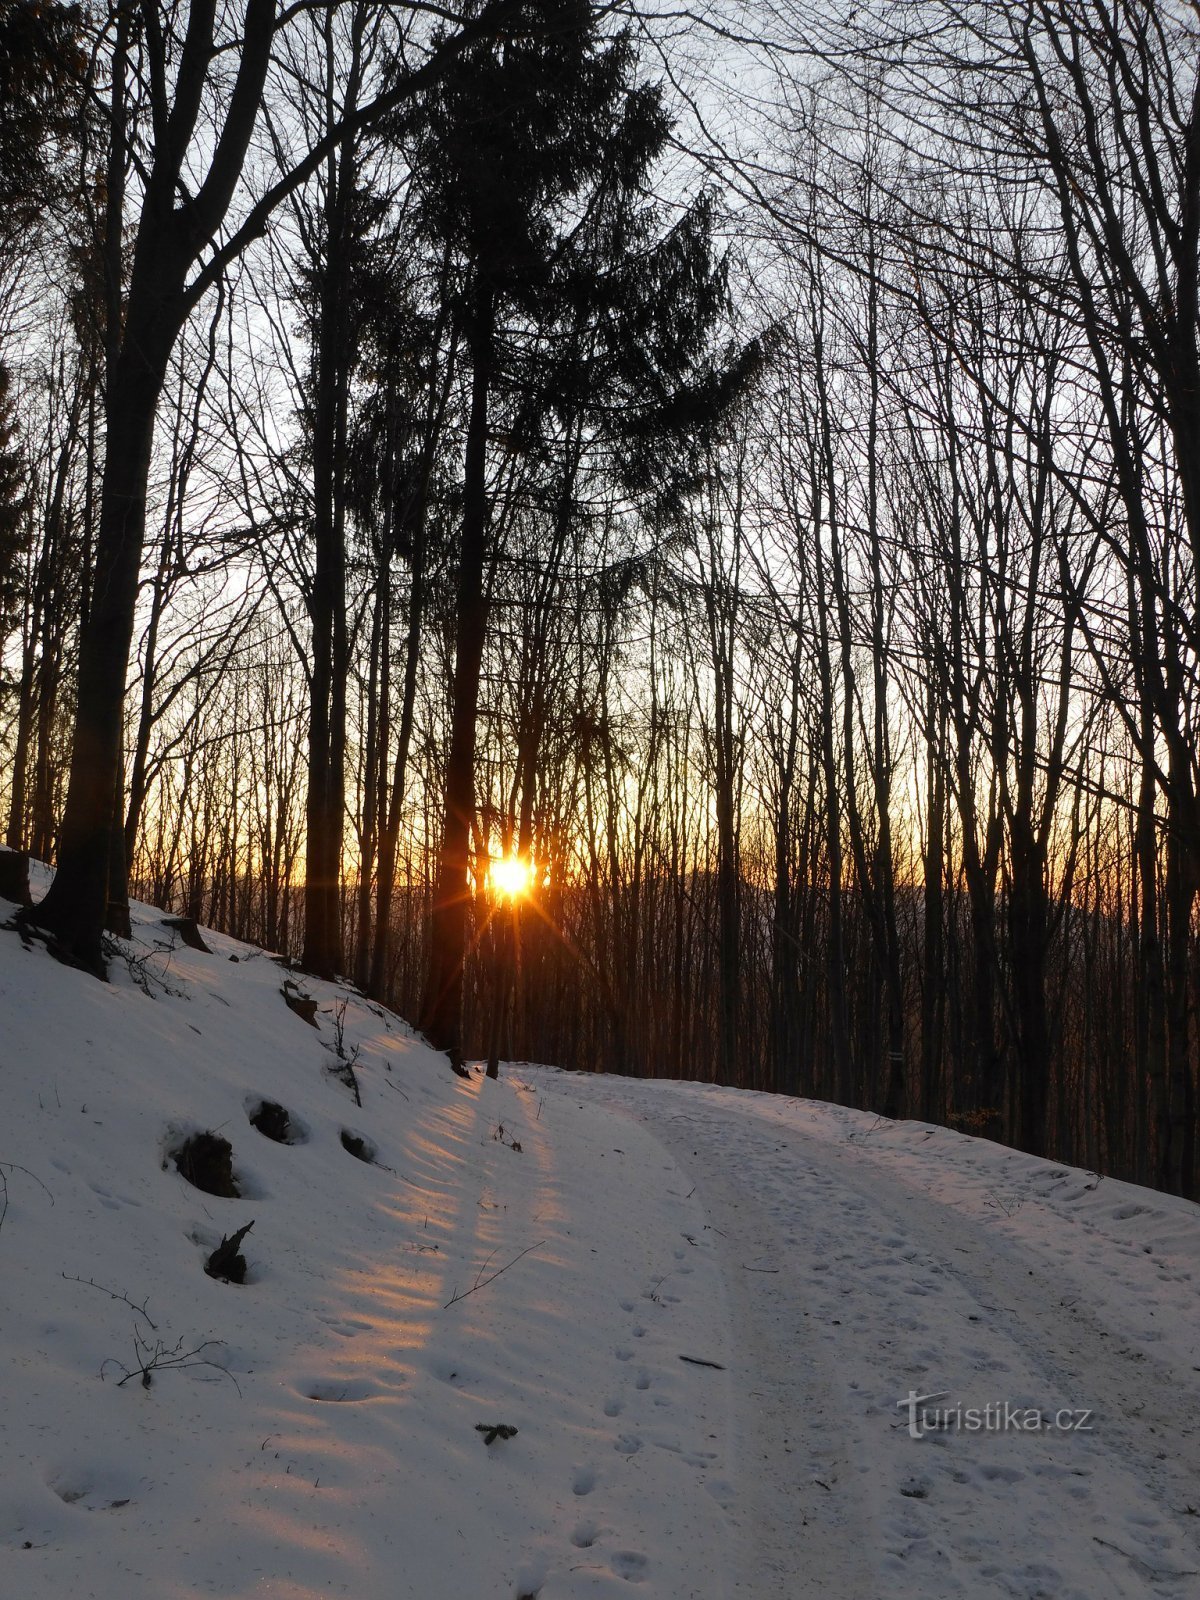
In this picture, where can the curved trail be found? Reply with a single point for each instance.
(848, 1286)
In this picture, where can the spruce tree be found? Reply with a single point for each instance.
(532, 159)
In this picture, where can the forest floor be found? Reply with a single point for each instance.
(559, 1336)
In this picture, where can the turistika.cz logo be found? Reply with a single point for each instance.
(927, 1415)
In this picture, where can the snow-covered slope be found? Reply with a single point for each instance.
(314, 1430)
(697, 1309)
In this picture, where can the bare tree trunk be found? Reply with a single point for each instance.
(441, 1018)
(933, 995)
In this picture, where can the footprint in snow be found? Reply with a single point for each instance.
(916, 1488)
(612, 1408)
(102, 1492)
(345, 1327)
(627, 1444)
(333, 1390)
(584, 1481)
(631, 1566)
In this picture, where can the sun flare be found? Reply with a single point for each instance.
(511, 876)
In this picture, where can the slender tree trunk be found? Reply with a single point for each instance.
(933, 995)
(1028, 941)
(141, 748)
(380, 984)
(1181, 888)
(442, 1012)
(327, 600)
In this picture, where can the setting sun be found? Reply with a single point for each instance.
(511, 876)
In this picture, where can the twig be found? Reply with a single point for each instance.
(482, 1283)
(338, 1010)
(147, 1359)
(139, 965)
(698, 1361)
(114, 1294)
(1143, 1568)
(15, 1166)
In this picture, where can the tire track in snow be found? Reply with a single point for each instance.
(879, 1290)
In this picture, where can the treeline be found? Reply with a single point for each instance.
(799, 575)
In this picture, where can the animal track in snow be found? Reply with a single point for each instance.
(113, 1202)
(102, 1489)
(345, 1327)
(1001, 1474)
(338, 1389)
(630, 1565)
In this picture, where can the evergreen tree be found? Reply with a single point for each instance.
(41, 71)
(532, 159)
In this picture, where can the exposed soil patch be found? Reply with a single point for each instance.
(274, 1121)
(362, 1149)
(206, 1161)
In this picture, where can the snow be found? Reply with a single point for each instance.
(698, 1309)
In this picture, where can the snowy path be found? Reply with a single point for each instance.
(847, 1286)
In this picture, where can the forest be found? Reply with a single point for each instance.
(650, 539)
